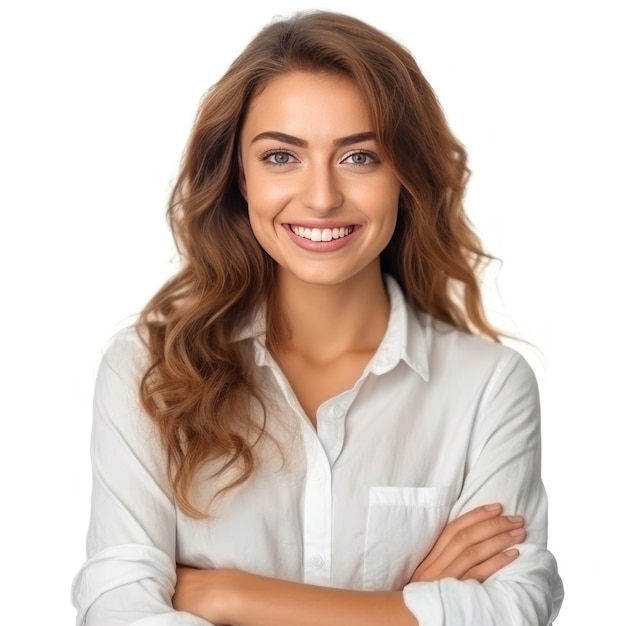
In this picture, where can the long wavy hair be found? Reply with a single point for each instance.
(199, 388)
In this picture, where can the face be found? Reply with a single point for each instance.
(322, 200)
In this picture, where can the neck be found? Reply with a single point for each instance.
(325, 321)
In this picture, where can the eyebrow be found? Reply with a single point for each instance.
(296, 141)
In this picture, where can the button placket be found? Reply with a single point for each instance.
(317, 526)
(331, 427)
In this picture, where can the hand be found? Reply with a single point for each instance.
(204, 592)
(190, 591)
(473, 546)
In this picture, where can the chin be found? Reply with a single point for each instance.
(328, 278)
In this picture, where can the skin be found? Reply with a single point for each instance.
(333, 177)
(309, 160)
(332, 180)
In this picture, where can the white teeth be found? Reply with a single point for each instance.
(321, 234)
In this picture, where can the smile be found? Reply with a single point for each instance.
(321, 234)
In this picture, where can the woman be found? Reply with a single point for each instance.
(305, 420)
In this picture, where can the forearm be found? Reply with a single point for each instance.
(528, 592)
(242, 599)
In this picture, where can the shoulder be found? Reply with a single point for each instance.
(468, 358)
(442, 353)
(493, 384)
(117, 406)
(124, 351)
(123, 362)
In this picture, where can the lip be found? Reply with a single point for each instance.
(320, 225)
(321, 246)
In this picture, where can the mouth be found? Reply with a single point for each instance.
(321, 234)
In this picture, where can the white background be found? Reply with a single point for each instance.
(97, 101)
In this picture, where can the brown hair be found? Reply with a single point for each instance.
(198, 388)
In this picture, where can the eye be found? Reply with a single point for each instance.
(277, 157)
(360, 158)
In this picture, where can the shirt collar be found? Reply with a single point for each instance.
(405, 338)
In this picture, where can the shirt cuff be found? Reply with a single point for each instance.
(425, 602)
(118, 566)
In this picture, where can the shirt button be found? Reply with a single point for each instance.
(317, 561)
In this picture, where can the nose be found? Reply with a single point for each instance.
(321, 189)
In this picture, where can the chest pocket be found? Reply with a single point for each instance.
(403, 524)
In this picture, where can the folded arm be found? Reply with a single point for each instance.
(473, 546)
(504, 465)
(467, 579)
(129, 574)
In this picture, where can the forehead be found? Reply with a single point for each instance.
(302, 103)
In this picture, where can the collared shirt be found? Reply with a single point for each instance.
(439, 422)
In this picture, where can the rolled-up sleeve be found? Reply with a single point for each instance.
(130, 571)
(503, 465)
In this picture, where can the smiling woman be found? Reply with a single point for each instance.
(306, 425)
(321, 173)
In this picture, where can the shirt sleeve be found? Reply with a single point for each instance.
(130, 572)
(503, 465)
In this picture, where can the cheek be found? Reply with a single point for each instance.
(262, 215)
(390, 227)
(383, 202)
(259, 226)
(265, 198)
(389, 213)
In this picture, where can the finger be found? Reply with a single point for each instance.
(482, 531)
(479, 553)
(489, 567)
(466, 520)
(472, 545)
(471, 528)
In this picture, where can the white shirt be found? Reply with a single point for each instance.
(439, 422)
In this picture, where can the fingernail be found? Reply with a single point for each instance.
(518, 532)
(515, 518)
(512, 553)
(492, 507)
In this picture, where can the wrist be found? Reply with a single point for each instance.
(227, 598)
